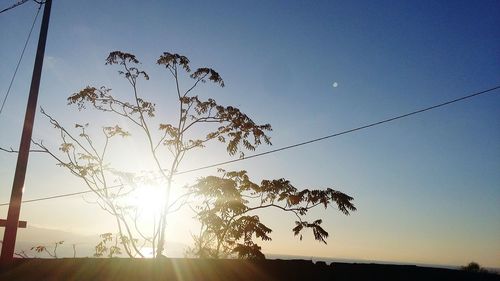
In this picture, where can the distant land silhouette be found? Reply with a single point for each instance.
(223, 269)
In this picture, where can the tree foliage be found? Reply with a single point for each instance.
(473, 267)
(49, 251)
(227, 206)
(199, 121)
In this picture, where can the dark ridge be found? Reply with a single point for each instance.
(221, 270)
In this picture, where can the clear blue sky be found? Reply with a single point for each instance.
(427, 188)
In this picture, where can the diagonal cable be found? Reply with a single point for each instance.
(20, 58)
(14, 5)
(343, 132)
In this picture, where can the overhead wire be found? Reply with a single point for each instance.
(14, 5)
(343, 132)
(65, 195)
(294, 145)
(22, 54)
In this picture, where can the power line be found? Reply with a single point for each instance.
(13, 6)
(343, 132)
(22, 54)
(291, 146)
(64, 195)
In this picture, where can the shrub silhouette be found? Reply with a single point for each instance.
(227, 205)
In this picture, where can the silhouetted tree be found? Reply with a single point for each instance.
(473, 267)
(168, 143)
(229, 224)
(227, 208)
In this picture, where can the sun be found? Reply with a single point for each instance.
(147, 198)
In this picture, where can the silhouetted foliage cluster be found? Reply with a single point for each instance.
(473, 267)
(109, 245)
(227, 205)
(167, 144)
(234, 127)
(49, 251)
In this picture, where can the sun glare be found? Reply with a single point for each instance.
(147, 199)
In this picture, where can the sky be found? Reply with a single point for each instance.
(427, 187)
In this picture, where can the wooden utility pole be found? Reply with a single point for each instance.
(9, 237)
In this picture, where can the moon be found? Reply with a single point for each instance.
(335, 84)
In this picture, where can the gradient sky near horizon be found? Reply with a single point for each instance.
(427, 188)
